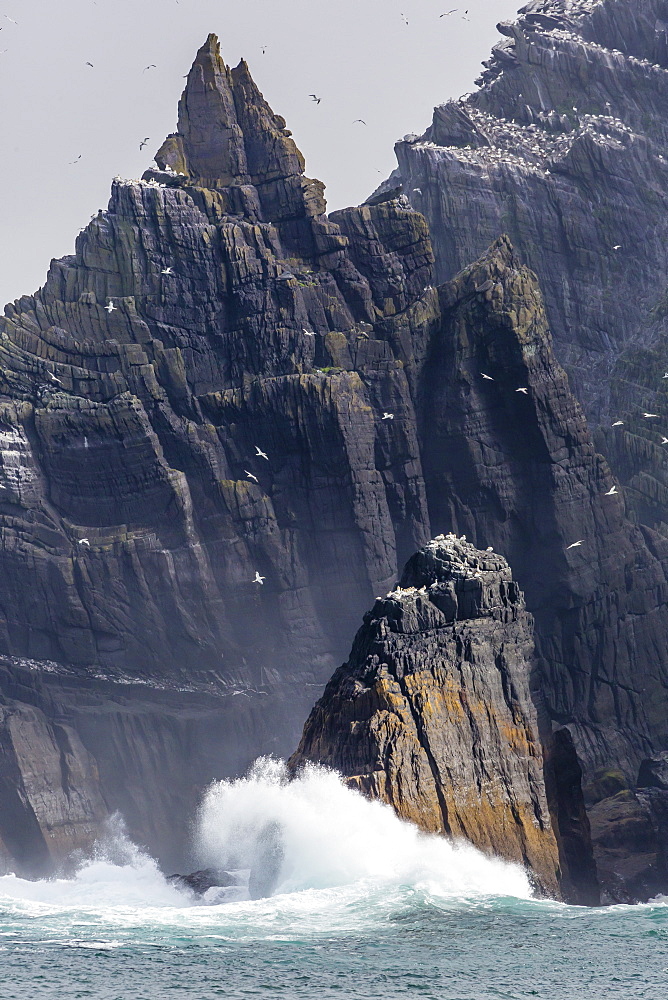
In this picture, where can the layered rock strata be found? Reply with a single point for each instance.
(222, 382)
(432, 711)
(564, 147)
(194, 397)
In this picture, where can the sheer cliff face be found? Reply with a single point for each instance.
(133, 495)
(565, 148)
(432, 712)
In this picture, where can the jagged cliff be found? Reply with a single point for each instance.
(224, 381)
(565, 148)
(432, 711)
(196, 396)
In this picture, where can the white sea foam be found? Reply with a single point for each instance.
(329, 835)
(118, 874)
(341, 862)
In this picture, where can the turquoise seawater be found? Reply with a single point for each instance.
(365, 907)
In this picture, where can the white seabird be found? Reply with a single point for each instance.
(110, 307)
(251, 476)
(575, 545)
(259, 579)
(611, 492)
(388, 416)
(261, 454)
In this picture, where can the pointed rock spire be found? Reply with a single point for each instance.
(228, 136)
(211, 137)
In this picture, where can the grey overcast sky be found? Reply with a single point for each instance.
(359, 56)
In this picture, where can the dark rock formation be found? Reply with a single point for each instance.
(565, 148)
(135, 507)
(49, 789)
(212, 314)
(629, 827)
(508, 459)
(563, 783)
(201, 881)
(522, 475)
(432, 712)
(653, 772)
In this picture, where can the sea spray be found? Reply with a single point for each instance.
(337, 858)
(320, 834)
(119, 874)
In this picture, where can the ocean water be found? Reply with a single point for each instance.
(363, 906)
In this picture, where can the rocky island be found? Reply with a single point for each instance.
(228, 420)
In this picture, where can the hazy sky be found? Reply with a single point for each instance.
(359, 56)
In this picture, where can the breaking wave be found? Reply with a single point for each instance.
(313, 832)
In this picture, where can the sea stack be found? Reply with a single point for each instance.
(432, 712)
